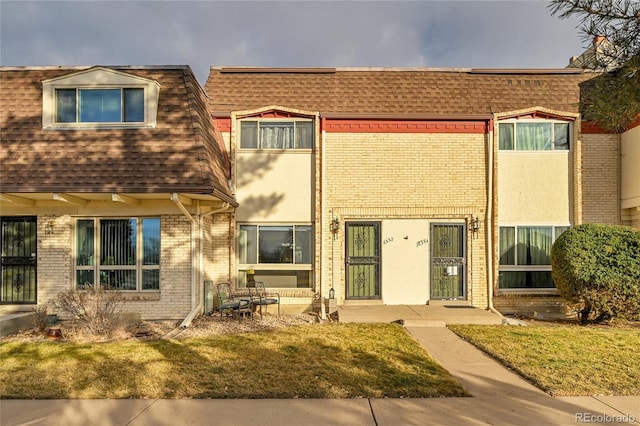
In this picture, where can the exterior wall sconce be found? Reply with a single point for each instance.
(335, 227)
(332, 293)
(475, 226)
(48, 228)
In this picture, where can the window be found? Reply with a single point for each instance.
(534, 136)
(281, 255)
(100, 105)
(269, 134)
(99, 98)
(525, 253)
(120, 254)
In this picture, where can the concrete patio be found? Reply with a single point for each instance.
(437, 314)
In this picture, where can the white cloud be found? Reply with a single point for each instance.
(204, 33)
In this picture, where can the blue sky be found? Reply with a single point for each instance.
(440, 34)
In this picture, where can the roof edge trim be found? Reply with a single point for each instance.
(249, 70)
(413, 116)
(526, 71)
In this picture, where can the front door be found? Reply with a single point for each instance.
(363, 260)
(448, 261)
(18, 248)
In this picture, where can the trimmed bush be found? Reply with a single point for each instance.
(596, 268)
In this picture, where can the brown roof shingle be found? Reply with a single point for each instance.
(180, 154)
(433, 92)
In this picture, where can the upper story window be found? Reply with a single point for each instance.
(99, 98)
(276, 134)
(547, 135)
(121, 105)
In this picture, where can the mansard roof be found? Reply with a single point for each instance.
(394, 91)
(180, 153)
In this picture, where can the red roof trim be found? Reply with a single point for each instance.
(593, 128)
(222, 124)
(403, 126)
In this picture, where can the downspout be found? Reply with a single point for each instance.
(196, 306)
(489, 218)
(323, 261)
(176, 199)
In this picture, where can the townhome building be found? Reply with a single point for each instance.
(385, 186)
(415, 186)
(111, 175)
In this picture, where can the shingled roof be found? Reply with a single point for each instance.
(180, 154)
(411, 91)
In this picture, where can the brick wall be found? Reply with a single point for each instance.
(601, 179)
(55, 269)
(380, 176)
(218, 243)
(55, 264)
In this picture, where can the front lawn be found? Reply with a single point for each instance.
(309, 361)
(565, 360)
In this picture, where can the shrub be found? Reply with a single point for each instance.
(596, 268)
(40, 318)
(96, 309)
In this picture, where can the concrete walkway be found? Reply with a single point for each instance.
(500, 397)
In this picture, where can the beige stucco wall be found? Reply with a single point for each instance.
(405, 181)
(534, 187)
(275, 186)
(405, 262)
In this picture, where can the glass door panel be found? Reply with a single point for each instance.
(363, 260)
(448, 261)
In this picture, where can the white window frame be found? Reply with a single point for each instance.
(78, 103)
(139, 267)
(528, 268)
(292, 120)
(553, 149)
(99, 78)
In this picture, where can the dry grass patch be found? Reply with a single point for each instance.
(565, 360)
(308, 361)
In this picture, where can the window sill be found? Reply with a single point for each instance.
(278, 150)
(141, 296)
(527, 292)
(99, 126)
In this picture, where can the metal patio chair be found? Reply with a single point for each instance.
(263, 297)
(228, 302)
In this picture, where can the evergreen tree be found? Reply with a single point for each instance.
(612, 27)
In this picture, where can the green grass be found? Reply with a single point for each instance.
(565, 360)
(316, 361)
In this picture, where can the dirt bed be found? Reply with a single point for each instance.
(149, 330)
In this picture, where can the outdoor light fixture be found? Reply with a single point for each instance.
(48, 228)
(335, 227)
(332, 293)
(475, 226)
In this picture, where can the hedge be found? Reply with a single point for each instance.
(596, 268)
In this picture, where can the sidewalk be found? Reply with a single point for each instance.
(500, 397)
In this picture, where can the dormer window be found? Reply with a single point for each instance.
(122, 105)
(99, 98)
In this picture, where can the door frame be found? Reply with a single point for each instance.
(22, 264)
(461, 262)
(375, 260)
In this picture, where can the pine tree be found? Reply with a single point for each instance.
(612, 27)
